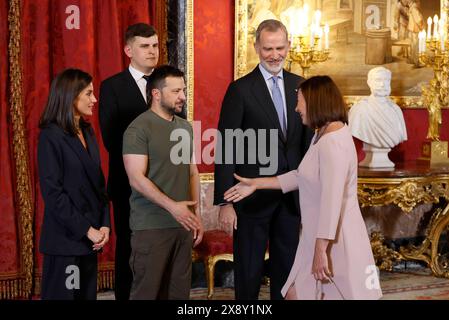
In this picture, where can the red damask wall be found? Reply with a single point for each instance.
(214, 65)
(416, 122)
(214, 60)
(54, 35)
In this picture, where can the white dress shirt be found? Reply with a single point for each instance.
(141, 82)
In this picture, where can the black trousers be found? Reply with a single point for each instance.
(123, 274)
(69, 277)
(254, 231)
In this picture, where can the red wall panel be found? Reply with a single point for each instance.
(214, 61)
(416, 122)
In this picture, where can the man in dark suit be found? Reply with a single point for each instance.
(263, 100)
(122, 98)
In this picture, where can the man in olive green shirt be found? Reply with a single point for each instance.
(165, 218)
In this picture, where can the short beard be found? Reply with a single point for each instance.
(171, 110)
(271, 70)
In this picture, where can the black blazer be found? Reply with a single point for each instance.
(248, 105)
(120, 103)
(73, 189)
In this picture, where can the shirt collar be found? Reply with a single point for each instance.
(267, 76)
(136, 74)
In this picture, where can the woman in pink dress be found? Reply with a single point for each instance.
(334, 258)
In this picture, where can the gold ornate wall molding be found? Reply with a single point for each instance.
(161, 25)
(207, 177)
(21, 286)
(241, 40)
(412, 102)
(189, 59)
(406, 193)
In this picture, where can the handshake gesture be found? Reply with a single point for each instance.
(241, 190)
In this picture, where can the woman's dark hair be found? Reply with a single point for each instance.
(324, 102)
(64, 91)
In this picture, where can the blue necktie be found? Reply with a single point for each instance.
(278, 103)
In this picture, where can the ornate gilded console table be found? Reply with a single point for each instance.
(408, 185)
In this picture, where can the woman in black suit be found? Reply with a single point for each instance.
(76, 221)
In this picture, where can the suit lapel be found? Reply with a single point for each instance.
(291, 99)
(262, 95)
(91, 163)
(92, 147)
(133, 89)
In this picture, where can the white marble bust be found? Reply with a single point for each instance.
(378, 121)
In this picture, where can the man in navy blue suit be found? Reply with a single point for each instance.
(263, 100)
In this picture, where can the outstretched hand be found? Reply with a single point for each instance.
(241, 190)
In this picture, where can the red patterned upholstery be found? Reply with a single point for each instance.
(215, 246)
(215, 242)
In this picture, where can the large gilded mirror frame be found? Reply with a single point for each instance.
(244, 38)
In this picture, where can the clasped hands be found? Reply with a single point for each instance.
(98, 236)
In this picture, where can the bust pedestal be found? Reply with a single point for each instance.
(375, 157)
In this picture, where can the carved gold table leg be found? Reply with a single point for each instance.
(428, 250)
(413, 185)
(383, 256)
